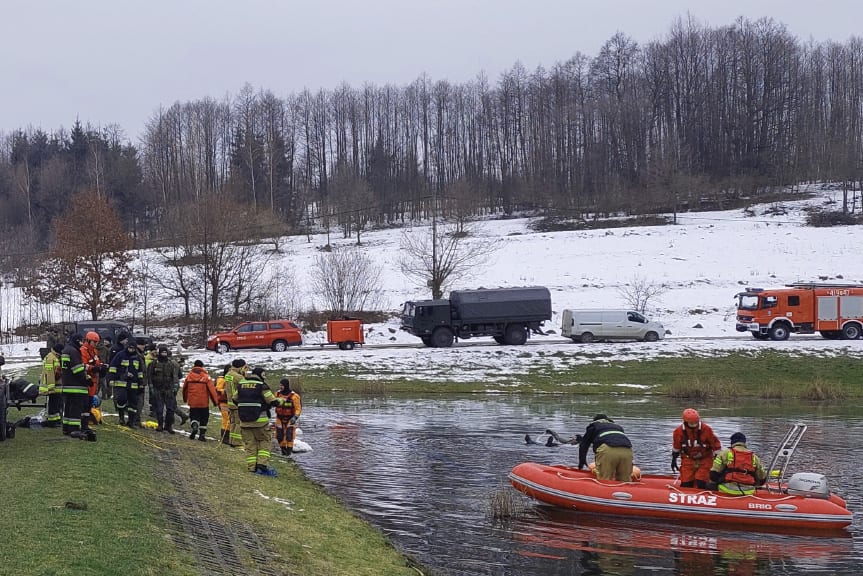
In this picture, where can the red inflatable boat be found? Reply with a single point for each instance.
(803, 502)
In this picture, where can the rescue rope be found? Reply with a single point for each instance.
(136, 436)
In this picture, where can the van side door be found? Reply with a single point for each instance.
(614, 324)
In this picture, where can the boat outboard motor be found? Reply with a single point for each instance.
(809, 484)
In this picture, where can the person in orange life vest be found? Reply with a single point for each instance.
(223, 406)
(696, 444)
(286, 416)
(737, 470)
(93, 364)
(198, 392)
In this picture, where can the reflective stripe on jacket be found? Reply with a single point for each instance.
(72, 369)
(252, 397)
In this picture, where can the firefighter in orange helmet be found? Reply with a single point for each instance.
(95, 369)
(695, 444)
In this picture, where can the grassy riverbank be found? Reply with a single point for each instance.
(766, 374)
(148, 503)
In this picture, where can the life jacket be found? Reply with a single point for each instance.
(90, 359)
(694, 442)
(740, 467)
(286, 411)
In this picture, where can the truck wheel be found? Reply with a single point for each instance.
(851, 331)
(516, 335)
(280, 346)
(442, 338)
(779, 332)
(586, 337)
(341, 346)
(222, 347)
(651, 337)
(349, 345)
(427, 341)
(499, 339)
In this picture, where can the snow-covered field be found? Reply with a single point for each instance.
(703, 262)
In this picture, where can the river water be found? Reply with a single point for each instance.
(423, 470)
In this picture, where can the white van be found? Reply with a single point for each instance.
(589, 325)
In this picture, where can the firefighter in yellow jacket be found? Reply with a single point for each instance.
(224, 436)
(49, 385)
(253, 397)
(234, 376)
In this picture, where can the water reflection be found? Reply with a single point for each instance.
(423, 470)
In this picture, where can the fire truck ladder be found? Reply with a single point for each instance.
(821, 285)
(783, 456)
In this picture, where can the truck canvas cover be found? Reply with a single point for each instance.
(508, 304)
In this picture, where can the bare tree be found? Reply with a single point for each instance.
(640, 292)
(440, 255)
(347, 280)
(87, 269)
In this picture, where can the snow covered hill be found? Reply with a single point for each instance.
(703, 262)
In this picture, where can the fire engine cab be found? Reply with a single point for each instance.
(833, 310)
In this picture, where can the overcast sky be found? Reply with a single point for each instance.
(116, 61)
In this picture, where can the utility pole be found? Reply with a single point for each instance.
(434, 281)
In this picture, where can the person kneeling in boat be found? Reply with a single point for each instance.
(612, 448)
(737, 470)
(696, 445)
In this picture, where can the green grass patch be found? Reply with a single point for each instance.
(767, 374)
(73, 507)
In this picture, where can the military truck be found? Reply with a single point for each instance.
(508, 315)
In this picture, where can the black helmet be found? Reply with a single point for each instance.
(238, 363)
(76, 339)
(58, 348)
(258, 371)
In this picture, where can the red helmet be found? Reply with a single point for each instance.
(690, 416)
(92, 336)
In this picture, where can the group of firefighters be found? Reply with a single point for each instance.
(697, 454)
(71, 376)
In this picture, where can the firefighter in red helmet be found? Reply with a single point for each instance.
(695, 444)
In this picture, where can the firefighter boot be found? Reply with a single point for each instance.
(121, 413)
(169, 426)
(195, 427)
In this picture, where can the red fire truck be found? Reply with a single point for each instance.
(833, 310)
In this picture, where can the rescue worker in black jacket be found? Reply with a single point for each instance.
(76, 411)
(612, 448)
(253, 398)
(127, 379)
